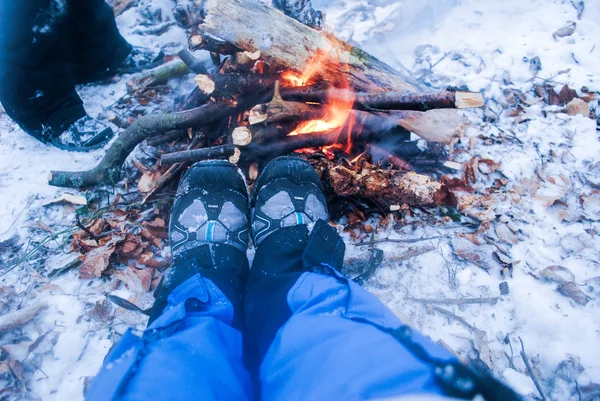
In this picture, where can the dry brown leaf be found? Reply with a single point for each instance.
(96, 261)
(487, 166)
(566, 30)
(145, 276)
(150, 260)
(557, 274)
(148, 180)
(505, 234)
(572, 291)
(578, 107)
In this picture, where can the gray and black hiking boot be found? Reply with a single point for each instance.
(287, 193)
(83, 135)
(208, 230)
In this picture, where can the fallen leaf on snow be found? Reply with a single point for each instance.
(572, 291)
(557, 274)
(566, 30)
(97, 260)
(578, 107)
(505, 234)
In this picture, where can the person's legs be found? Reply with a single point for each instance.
(192, 348)
(319, 336)
(37, 89)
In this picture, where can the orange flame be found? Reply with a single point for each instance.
(295, 79)
(338, 111)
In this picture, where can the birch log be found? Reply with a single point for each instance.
(283, 41)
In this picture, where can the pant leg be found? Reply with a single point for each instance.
(94, 41)
(38, 87)
(190, 352)
(193, 349)
(322, 337)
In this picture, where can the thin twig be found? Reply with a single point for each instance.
(404, 240)
(458, 319)
(455, 301)
(530, 371)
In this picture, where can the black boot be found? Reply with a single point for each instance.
(208, 231)
(287, 193)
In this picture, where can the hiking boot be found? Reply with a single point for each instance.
(208, 230)
(287, 193)
(83, 135)
(211, 207)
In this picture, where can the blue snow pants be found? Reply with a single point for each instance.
(306, 333)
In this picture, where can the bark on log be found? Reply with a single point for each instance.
(192, 62)
(283, 41)
(109, 168)
(389, 100)
(211, 44)
(166, 138)
(215, 152)
(385, 187)
(157, 76)
(227, 86)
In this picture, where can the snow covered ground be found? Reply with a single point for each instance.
(545, 214)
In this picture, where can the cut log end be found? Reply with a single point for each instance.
(205, 83)
(235, 157)
(241, 136)
(466, 100)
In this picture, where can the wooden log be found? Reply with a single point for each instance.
(109, 168)
(166, 138)
(157, 76)
(211, 44)
(215, 152)
(192, 62)
(222, 86)
(253, 26)
(389, 100)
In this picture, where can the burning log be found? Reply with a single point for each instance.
(290, 44)
(108, 170)
(279, 110)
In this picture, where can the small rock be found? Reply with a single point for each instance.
(578, 106)
(572, 291)
(504, 290)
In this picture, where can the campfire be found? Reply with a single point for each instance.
(292, 89)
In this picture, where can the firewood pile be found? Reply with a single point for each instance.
(282, 86)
